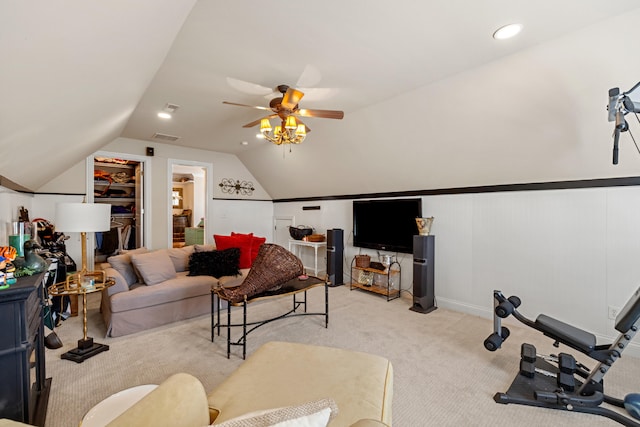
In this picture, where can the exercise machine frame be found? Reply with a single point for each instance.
(550, 381)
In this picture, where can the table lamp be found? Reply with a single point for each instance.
(83, 218)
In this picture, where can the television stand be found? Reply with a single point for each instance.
(382, 282)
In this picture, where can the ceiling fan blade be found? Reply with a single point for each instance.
(310, 77)
(325, 114)
(248, 87)
(291, 98)
(245, 105)
(257, 122)
(307, 129)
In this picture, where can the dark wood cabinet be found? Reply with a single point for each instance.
(24, 388)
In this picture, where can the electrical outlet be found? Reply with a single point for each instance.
(613, 312)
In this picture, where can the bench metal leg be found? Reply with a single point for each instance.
(244, 330)
(228, 331)
(326, 306)
(215, 314)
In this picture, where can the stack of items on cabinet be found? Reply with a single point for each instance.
(153, 288)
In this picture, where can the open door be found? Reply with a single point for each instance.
(189, 189)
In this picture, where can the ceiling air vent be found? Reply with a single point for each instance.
(164, 137)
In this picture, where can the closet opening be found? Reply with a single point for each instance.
(119, 183)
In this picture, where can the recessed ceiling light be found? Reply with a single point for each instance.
(244, 143)
(507, 31)
(259, 136)
(168, 110)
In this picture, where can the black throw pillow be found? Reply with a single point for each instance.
(215, 263)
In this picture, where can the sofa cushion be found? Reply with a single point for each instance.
(256, 242)
(311, 414)
(180, 257)
(182, 287)
(122, 264)
(242, 241)
(154, 267)
(204, 248)
(216, 263)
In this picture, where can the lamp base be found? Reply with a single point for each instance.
(86, 349)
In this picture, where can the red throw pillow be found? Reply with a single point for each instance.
(255, 244)
(238, 241)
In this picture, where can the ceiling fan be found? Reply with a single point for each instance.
(292, 129)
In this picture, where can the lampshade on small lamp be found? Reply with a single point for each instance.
(82, 218)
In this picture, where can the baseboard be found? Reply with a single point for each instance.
(633, 349)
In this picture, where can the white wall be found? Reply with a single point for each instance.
(220, 217)
(567, 253)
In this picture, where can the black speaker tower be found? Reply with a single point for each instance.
(424, 299)
(335, 251)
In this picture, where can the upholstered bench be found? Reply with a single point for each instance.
(278, 375)
(285, 374)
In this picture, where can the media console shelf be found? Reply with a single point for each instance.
(382, 282)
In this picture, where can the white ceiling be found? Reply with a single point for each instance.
(77, 74)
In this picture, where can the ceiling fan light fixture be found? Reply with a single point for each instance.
(291, 123)
(265, 126)
(507, 31)
(290, 130)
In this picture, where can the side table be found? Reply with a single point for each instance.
(297, 245)
(86, 347)
(113, 406)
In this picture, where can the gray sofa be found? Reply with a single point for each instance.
(153, 288)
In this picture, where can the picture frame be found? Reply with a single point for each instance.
(176, 198)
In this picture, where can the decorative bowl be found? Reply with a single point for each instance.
(300, 231)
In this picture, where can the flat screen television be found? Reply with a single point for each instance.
(387, 225)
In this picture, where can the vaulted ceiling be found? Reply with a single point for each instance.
(412, 77)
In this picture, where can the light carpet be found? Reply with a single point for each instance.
(443, 376)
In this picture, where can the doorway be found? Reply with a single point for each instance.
(119, 180)
(189, 190)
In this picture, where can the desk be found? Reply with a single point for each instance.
(295, 246)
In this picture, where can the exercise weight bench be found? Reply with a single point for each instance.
(558, 381)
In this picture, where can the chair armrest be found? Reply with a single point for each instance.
(369, 423)
(10, 423)
(179, 401)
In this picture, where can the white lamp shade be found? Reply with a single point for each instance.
(82, 217)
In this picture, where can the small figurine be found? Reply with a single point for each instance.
(32, 262)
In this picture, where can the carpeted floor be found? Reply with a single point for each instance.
(443, 376)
